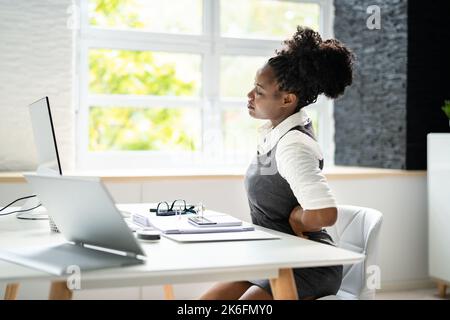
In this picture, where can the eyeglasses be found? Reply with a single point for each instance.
(178, 206)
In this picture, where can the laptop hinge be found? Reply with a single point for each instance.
(87, 246)
(80, 244)
(131, 254)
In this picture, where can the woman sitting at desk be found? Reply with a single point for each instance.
(286, 188)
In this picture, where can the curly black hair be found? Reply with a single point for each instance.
(308, 67)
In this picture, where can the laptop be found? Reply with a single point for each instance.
(86, 215)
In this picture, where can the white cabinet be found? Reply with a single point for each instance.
(439, 208)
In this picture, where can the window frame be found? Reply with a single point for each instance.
(211, 46)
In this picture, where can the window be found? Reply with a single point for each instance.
(164, 83)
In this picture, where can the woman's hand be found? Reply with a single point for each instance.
(295, 221)
(311, 220)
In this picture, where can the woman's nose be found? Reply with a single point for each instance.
(250, 94)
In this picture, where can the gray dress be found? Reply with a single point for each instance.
(271, 201)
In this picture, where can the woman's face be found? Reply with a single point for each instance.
(265, 101)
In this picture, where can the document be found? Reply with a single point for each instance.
(180, 224)
(222, 236)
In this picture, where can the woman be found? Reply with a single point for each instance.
(286, 189)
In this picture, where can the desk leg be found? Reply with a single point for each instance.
(442, 288)
(59, 291)
(168, 292)
(284, 288)
(12, 290)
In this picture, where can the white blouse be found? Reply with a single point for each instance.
(297, 158)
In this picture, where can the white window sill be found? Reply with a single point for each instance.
(332, 173)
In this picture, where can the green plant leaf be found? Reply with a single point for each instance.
(446, 108)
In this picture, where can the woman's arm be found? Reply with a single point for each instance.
(311, 220)
(297, 158)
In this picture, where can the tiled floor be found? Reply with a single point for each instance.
(421, 294)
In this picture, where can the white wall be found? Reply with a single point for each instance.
(401, 199)
(35, 61)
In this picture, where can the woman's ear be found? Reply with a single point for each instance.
(290, 99)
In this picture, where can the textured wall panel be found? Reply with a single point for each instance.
(35, 60)
(371, 118)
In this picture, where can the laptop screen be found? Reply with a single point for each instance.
(44, 137)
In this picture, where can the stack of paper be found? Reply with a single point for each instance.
(180, 224)
(228, 236)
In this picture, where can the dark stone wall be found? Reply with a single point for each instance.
(370, 119)
(402, 77)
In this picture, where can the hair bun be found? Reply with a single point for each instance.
(309, 66)
(335, 68)
(304, 41)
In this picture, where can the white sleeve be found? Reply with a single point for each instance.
(297, 157)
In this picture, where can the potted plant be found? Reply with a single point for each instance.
(446, 109)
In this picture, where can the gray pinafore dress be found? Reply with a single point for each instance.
(271, 201)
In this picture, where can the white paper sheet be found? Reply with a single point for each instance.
(223, 236)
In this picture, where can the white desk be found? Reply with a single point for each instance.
(171, 262)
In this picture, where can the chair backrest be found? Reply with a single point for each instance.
(357, 229)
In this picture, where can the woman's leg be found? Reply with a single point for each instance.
(256, 293)
(226, 291)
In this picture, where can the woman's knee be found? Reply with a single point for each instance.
(226, 291)
(256, 293)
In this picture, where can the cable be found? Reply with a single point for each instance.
(37, 217)
(23, 198)
(23, 210)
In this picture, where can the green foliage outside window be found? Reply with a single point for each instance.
(141, 129)
(446, 108)
(138, 73)
(113, 13)
(126, 72)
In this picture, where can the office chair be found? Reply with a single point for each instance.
(357, 230)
